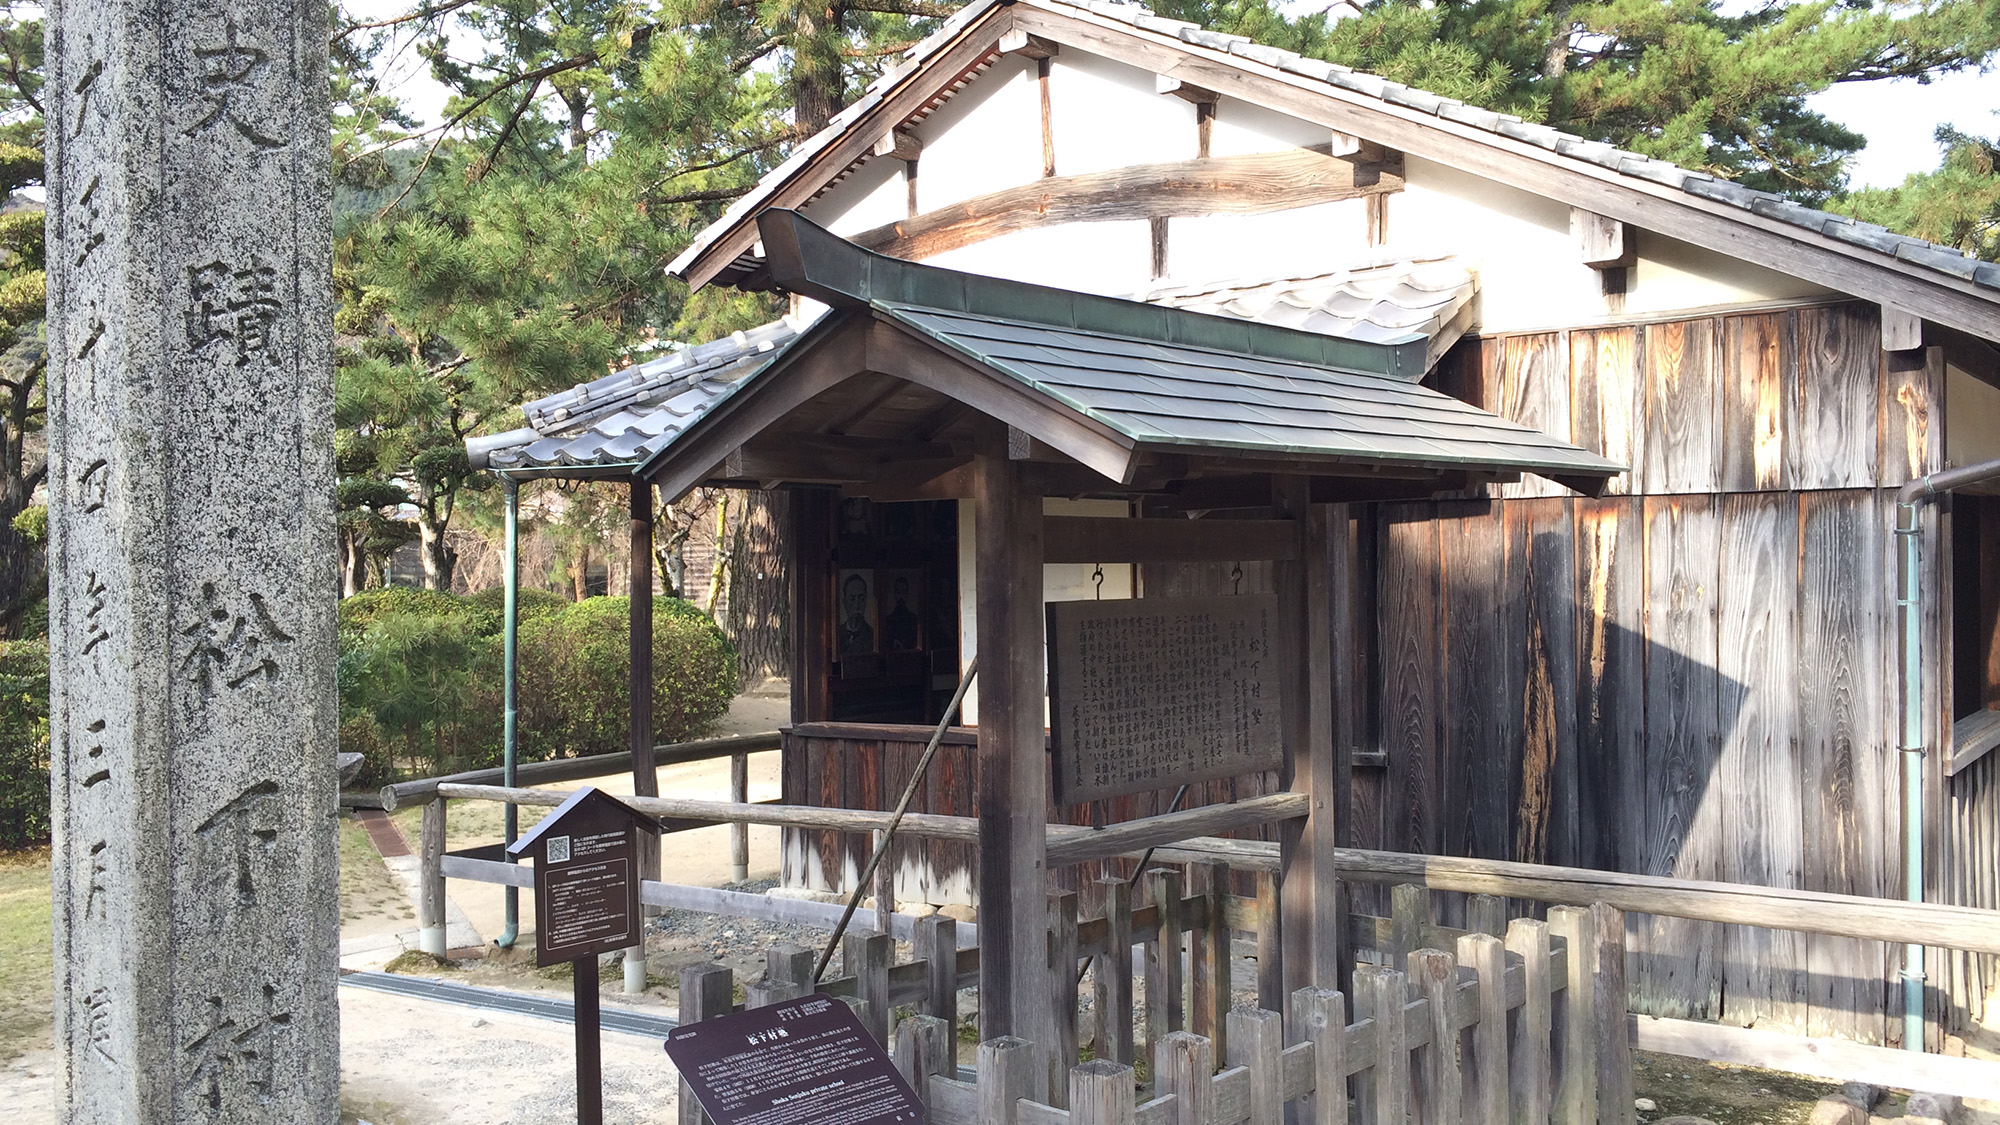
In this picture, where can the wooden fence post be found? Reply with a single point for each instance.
(1486, 914)
(1006, 1075)
(865, 957)
(788, 962)
(1486, 1074)
(1575, 1099)
(1609, 1029)
(923, 1047)
(1270, 943)
(430, 880)
(1063, 979)
(765, 993)
(739, 833)
(1114, 974)
(1211, 963)
(1184, 1066)
(1410, 919)
(935, 943)
(1257, 1041)
(885, 882)
(1100, 1093)
(706, 992)
(1439, 1084)
(1380, 995)
(1163, 957)
(1529, 1080)
(1319, 1017)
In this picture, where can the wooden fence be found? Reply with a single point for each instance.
(1527, 1029)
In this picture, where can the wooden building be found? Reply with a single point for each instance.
(1693, 673)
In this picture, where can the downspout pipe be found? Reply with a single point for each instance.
(1910, 737)
(510, 695)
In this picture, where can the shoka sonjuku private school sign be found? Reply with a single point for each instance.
(1153, 692)
(586, 857)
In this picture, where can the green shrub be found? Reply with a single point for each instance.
(575, 665)
(533, 602)
(24, 743)
(360, 612)
(429, 682)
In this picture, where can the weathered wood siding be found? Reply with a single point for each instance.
(1692, 675)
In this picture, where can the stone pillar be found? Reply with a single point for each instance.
(192, 563)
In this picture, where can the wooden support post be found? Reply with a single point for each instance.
(1063, 977)
(639, 729)
(1380, 995)
(706, 992)
(1313, 924)
(430, 880)
(1007, 1069)
(1575, 1097)
(936, 945)
(1349, 701)
(865, 957)
(1013, 760)
(1486, 1070)
(1608, 1023)
(1211, 961)
(1184, 1066)
(739, 834)
(765, 993)
(1270, 947)
(1100, 1093)
(1163, 957)
(1256, 1041)
(1529, 1080)
(1439, 1083)
(1319, 1017)
(1113, 973)
(1486, 914)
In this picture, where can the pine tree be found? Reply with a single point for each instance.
(1956, 205)
(23, 297)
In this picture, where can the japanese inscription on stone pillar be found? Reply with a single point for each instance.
(1150, 693)
(191, 547)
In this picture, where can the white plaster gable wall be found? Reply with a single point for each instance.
(1243, 129)
(872, 194)
(1104, 115)
(987, 137)
(1113, 259)
(1296, 243)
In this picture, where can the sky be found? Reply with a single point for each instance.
(1897, 116)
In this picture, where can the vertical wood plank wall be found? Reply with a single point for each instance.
(1692, 675)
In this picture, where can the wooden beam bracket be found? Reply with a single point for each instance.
(1604, 243)
(1015, 41)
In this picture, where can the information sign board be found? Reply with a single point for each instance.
(1148, 693)
(802, 1062)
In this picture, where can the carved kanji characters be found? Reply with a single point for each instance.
(232, 644)
(227, 71)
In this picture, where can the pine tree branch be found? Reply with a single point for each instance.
(709, 196)
(742, 62)
(427, 12)
(878, 52)
(507, 131)
(747, 150)
(927, 9)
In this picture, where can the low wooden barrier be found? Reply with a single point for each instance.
(406, 793)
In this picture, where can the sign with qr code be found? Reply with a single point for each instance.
(586, 856)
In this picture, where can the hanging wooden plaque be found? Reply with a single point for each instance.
(1152, 692)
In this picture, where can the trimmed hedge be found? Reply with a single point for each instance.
(420, 678)
(24, 743)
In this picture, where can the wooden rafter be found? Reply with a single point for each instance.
(1231, 185)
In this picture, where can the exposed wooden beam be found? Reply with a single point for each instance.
(1090, 539)
(1018, 42)
(1717, 226)
(805, 459)
(1186, 91)
(1901, 331)
(1235, 185)
(899, 143)
(1602, 242)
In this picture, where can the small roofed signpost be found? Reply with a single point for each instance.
(587, 875)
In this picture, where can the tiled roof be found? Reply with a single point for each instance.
(612, 423)
(1385, 301)
(1947, 263)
